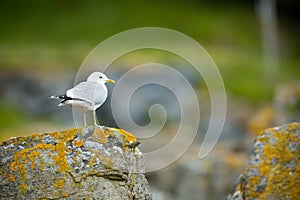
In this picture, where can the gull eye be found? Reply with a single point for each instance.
(100, 77)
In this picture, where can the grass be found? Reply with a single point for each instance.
(9, 117)
(38, 35)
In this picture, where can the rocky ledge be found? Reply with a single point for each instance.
(84, 163)
(274, 168)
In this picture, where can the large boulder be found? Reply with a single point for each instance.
(83, 163)
(274, 168)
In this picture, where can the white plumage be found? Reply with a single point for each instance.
(88, 95)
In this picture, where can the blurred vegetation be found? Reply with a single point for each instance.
(58, 34)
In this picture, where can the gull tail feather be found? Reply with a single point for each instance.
(62, 97)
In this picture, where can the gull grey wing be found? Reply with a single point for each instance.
(90, 92)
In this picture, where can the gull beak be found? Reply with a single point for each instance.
(110, 81)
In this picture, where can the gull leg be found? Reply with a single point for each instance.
(95, 118)
(84, 118)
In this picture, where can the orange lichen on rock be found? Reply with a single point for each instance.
(44, 147)
(78, 143)
(128, 137)
(65, 135)
(32, 156)
(273, 171)
(23, 187)
(60, 158)
(19, 163)
(59, 183)
(64, 195)
(25, 156)
(101, 135)
(11, 177)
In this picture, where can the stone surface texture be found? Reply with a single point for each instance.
(84, 163)
(274, 169)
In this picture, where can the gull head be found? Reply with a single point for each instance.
(99, 77)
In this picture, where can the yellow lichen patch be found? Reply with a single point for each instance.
(263, 139)
(36, 136)
(128, 136)
(22, 157)
(21, 139)
(23, 187)
(59, 183)
(101, 135)
(289, 187)
(293, 126)
(254, 180)
(19, 163)
(92, 161)
(55, 195)
(42, 166)
(75, 161)
(44, 146)
(11, 177)
(31, 156)
(65, 135)
(60, 158)
(71, 134)
(64, 195)
(107, 161)
(264, 168)
(78, 143)
(13, 164)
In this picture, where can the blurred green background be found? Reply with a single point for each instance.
(43, 43)
(38, 38)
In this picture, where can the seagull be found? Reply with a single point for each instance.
(86, 96)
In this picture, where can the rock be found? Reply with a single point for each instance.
(274, 168)
(83, 163)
